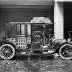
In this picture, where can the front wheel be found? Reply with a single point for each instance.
(66, 51)
(7, 51)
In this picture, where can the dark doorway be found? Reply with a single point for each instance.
(67, 18)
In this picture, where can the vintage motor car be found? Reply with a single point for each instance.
(32, 38)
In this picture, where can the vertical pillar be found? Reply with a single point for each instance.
(58, 20)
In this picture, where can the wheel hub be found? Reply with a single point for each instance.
(7, 51)
(66, 51)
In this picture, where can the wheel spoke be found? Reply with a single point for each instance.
(7, 51)
(66, 51)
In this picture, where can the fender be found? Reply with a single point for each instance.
(5, 42)
(59, 45)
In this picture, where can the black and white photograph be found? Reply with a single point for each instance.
(35, 36)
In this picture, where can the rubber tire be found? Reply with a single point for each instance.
(11, 55)
(61, 49)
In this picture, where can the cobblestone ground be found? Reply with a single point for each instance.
(36, 65)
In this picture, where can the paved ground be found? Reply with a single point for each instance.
(35, 64)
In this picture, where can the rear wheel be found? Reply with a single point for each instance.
(66, 51)
(7, 51)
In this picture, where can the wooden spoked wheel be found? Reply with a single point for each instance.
(66, 51)
(7, 51)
